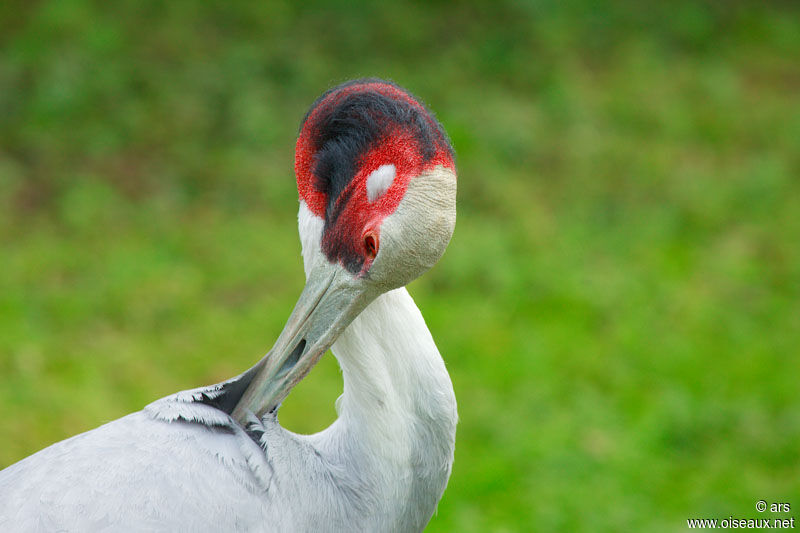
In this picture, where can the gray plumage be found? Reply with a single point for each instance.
(184, 464)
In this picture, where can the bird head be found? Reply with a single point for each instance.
(376, 170)
(377, 185)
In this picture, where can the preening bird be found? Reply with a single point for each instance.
(377, 185)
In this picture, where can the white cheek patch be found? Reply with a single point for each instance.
(310, 227)
(379, 181)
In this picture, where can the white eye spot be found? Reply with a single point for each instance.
(379, 181)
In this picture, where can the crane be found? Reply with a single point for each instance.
(377, 190)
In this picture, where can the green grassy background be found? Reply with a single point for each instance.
(620, 305)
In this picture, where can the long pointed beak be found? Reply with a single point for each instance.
(331, 299)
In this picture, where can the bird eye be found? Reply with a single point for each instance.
(371, 245)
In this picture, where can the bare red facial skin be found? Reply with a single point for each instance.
(357, 215)
(351, 217)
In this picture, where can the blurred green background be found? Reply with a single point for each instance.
(620, 305)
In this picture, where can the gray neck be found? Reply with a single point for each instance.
(398, 411)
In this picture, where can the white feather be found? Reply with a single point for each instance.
(379, 181)
(183, 465)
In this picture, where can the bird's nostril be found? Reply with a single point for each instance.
(293, 357)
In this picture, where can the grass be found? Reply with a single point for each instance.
(619, 307)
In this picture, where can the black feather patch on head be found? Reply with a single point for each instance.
(350, 132)
(354, 117)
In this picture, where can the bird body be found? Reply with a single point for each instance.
(215, 458)
(181, 465)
